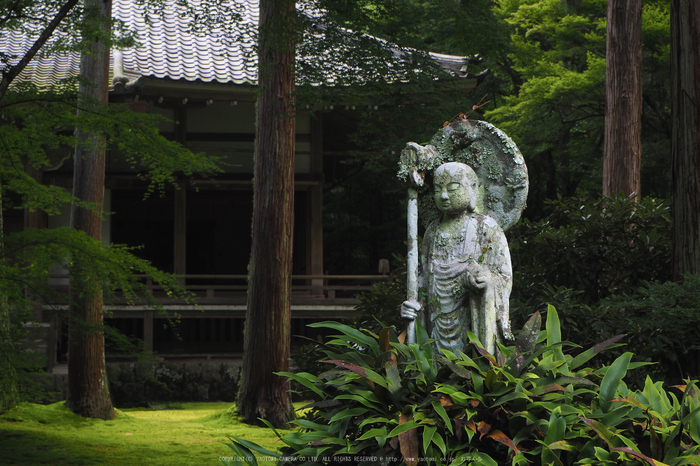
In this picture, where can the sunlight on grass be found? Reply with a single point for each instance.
(195, 434)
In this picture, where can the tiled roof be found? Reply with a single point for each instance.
(168, 49)
(42, 71)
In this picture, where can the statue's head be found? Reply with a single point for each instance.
(456, 188)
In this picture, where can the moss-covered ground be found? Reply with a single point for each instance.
(194, 434)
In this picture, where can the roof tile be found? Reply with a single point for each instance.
(167, 49)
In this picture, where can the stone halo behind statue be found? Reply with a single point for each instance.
(503, 178)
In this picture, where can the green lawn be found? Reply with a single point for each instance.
(33, 434)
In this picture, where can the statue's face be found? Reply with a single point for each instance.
(453, 194)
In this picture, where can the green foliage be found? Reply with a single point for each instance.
(35, 252)
(548, 94)
(552, 78)
(380, 305)
(595, 247)
(29, 258)
(387, 402)
(597, 260)
(27, 359)
(446, 26)
(144, 382)
(662, 325)
(36, 135)
(545, 86)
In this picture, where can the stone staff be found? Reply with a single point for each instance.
(416, 159)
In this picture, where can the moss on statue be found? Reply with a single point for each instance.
(473, 187)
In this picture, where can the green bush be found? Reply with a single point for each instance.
(380, 305)
(597, 247)
(593, 258)
(137, 384)
(379, 308)
(662, 323)
(28, 357)
(387, 402)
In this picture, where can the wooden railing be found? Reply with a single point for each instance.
(224, 296)
(215, 288)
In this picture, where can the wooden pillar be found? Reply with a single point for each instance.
(148, 330)
(35, 220)
(180, 224)
(180, 239)
(54, 329)
(315, 219)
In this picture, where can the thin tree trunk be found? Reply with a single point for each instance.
(623, 99)
(9, 392)
(685, 149)
(88, 392)
(268, 318)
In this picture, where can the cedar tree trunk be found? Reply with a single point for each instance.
(623, 99)
(685, 152)
(88, 392)
(263, 394)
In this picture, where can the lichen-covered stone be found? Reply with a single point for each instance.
(472, 185)
(503, 179)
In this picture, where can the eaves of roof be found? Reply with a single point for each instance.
(169, 53)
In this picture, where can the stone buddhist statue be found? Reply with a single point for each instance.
(464, 273)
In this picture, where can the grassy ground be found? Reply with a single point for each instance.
(33, 434)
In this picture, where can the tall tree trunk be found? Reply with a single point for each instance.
(9, 392)
(88, 391)
(623, 99)
(268, 318)
(685, 150)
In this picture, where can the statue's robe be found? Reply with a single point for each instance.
(453, 305)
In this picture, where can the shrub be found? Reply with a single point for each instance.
(379, 308)
(387, 402)
(142, 382)
(28, 356)
(662, 324)
(589, 256)
(594, 246)
(380, 305)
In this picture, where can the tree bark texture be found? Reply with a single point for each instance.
(88, 392)
(263, 394)
(623, 99)
(685, 149)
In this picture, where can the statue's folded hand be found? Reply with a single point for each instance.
(410, 308)
(478, 278)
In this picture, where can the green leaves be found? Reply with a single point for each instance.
(391, 400)
(611, 380)
(304, 378)
(584, 357)
(245, 452)
(553, 326)
(350, 334)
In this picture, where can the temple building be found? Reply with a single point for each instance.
(205, 88)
